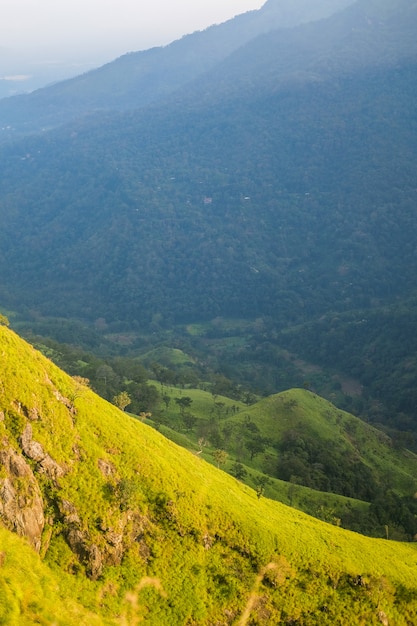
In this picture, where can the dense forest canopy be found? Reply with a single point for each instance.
(288, 205)
(279, 184)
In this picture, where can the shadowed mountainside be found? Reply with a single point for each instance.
(142, 78)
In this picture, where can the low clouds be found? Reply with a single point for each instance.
(17, 78)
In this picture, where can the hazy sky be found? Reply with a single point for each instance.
(75, 29)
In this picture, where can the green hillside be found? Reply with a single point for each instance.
(130, 527)
(295, 446)
(290, 422)
(309, 430)
(304, 451)
(31, 593)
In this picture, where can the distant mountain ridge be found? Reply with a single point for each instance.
(364, 35)
(141, 78)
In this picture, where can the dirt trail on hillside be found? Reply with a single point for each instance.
(254, 595)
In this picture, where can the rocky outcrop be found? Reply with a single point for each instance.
(22, 506)
(65, 401)
(106, 468)
(31, 413)
(21, 503)
(79, 540)
(110, 546)
(33, 450)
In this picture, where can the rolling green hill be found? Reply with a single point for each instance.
(301, 446)
(107, 518)
(309, 435)
(304, 451)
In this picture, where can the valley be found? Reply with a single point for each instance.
(208, 371)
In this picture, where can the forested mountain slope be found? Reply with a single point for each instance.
(288, 204)
(130, 527)
(140, 78)
(280, 185)
(365, 34)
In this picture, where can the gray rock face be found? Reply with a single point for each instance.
(21, 503)
(22, 507)
(79, 540)
(33, 450)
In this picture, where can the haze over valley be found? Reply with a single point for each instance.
(47, 42)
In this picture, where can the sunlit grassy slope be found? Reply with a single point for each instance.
(30, 593)
(333, 464)
(304, 414)
(163, 538)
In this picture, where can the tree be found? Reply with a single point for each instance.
(238, 471)
(261, 483)
(163, 374)
(106, 373)
(4, 320)
(122, 400)
(145, 397)
(249, 398)
(129, 369)
(256, 446)
(166, 399)
(220, 457)
(189, 421)
(183, 403)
